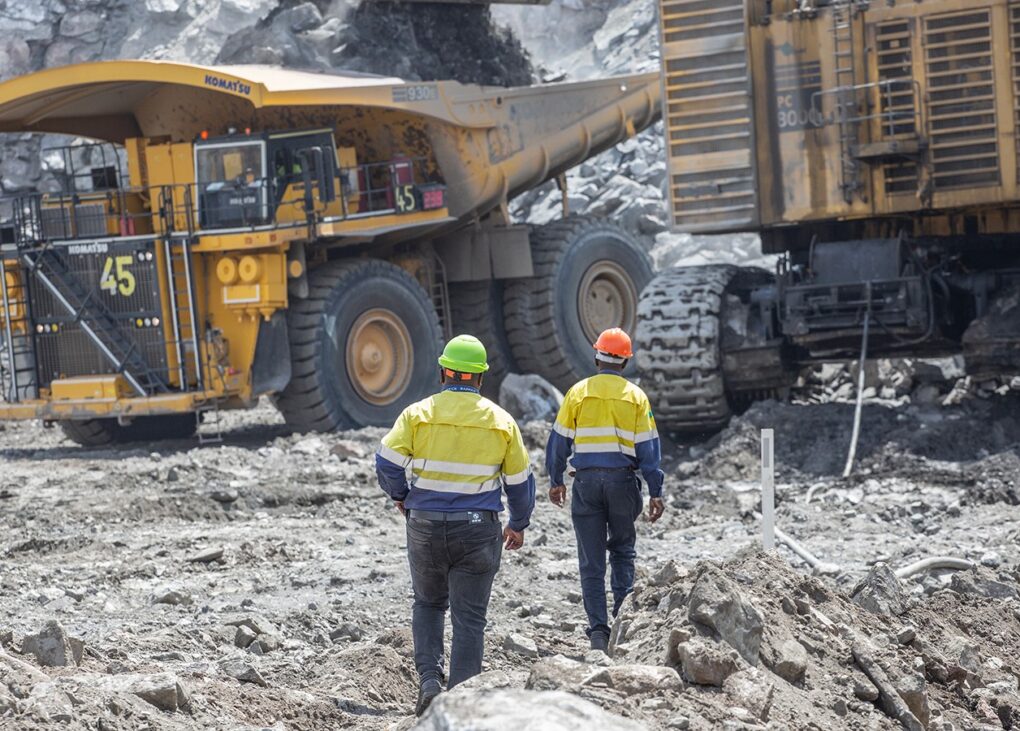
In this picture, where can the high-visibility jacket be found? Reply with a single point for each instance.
(453, 452)
(606, 421)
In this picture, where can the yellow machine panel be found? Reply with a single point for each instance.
(228, 198)
(789, 112)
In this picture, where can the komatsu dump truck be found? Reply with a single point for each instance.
(874, 148)
(235, 232)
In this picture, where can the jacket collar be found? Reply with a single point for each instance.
(454, 387)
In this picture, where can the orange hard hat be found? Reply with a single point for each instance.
(615, 342)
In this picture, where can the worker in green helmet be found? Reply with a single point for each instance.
(445, 463)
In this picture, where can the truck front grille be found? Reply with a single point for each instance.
(64, 350)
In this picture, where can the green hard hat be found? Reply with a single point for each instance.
(465, 354)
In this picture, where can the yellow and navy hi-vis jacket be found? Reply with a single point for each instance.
(607, 421)
(458, 448)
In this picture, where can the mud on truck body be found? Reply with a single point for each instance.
(236, 232)
(874, 147)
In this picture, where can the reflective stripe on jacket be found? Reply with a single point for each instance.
(453, 452)
(606, 421)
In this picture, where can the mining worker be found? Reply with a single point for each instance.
(607, 422)
(460, 449)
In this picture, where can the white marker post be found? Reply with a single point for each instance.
(768, 490)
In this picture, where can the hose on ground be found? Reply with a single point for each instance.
(935, 562)
(852, 454)
(817, 564)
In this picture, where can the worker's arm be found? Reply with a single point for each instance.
(647, 449)
(393, 458)
(561, 442)
(518, 482)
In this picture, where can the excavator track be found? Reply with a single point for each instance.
(678, 347)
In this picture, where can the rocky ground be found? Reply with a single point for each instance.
(262, 582)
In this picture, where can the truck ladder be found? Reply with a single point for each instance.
(50, 270)
(847, 96)
(18, 377)
(180, 279)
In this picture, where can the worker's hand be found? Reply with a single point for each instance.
(400, 507)
(514, 538)
(656, 507)
(558, 495)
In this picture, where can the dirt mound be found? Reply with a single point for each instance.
(758, 642)
(813, 439)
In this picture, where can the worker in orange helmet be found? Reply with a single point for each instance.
(607, 423)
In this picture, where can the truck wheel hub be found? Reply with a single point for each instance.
(606, 298)
(379, 356)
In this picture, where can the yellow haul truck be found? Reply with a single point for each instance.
(234, 232)
(874, 147)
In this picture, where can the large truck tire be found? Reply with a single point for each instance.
(108, 432)
(477, 309)
(678, 347)
(363, 346)
(589, 274)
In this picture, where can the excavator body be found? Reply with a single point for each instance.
(873, 147)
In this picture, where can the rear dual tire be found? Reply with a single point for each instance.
(589, 274)
(109, 432)
(363, 344)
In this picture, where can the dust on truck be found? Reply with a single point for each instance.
(237, 232)
(874, 148)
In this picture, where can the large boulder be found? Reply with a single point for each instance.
(530, 397)
(707, 663)
(637, 679)
(514, 710)
(716, 602)
(165, 691)
(52, 647)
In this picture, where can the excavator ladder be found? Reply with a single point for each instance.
(848, 107)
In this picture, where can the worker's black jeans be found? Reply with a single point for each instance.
(604, 506)
(452, 566)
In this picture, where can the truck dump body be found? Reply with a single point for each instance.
(487, 141)
(163, 280)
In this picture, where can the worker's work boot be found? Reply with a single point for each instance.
(426, 693)
(599, 641)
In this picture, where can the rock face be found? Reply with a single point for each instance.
(514, 710)
(880, 592)
(716, 602)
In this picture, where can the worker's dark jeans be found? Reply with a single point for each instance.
(452, 566)
(604, 507)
